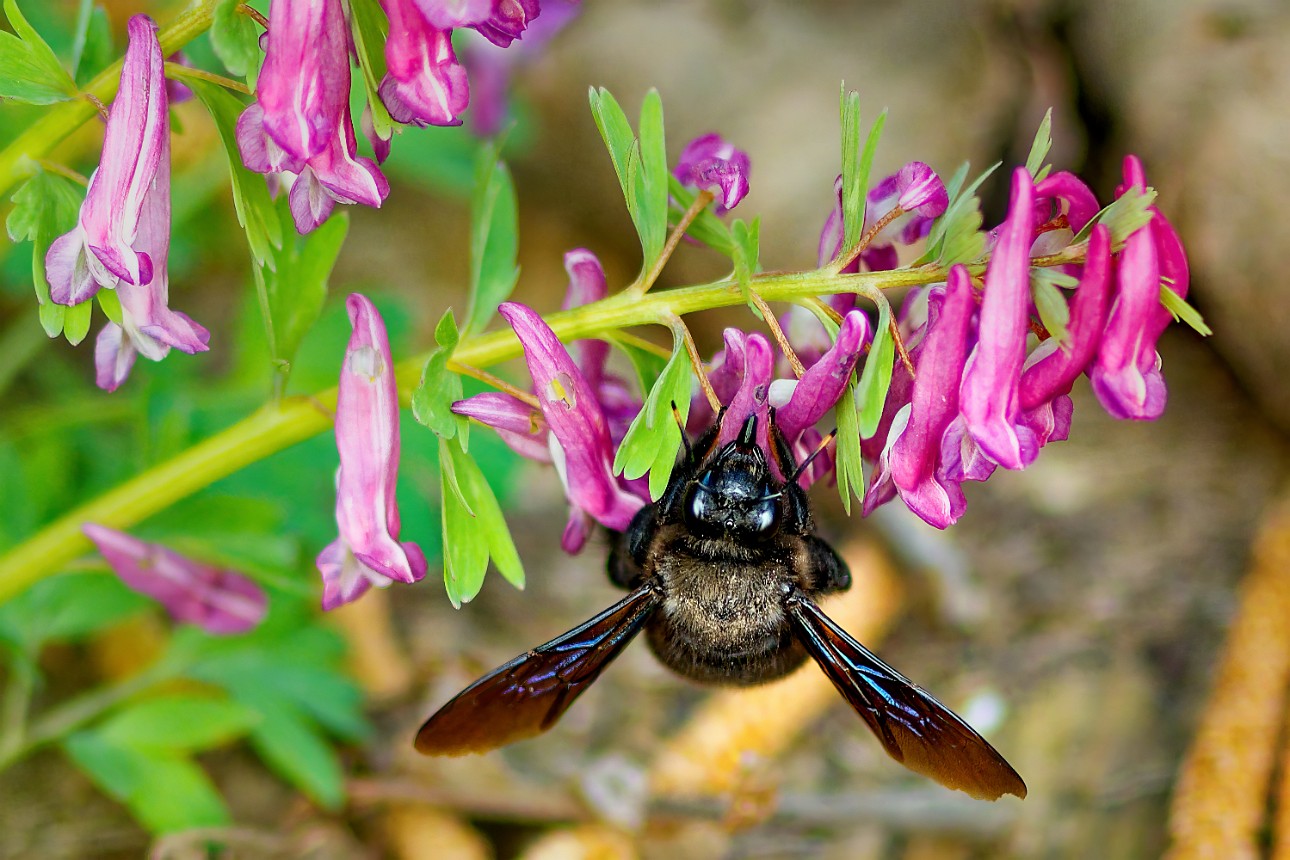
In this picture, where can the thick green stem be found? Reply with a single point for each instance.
(62, 119)
(280, 425)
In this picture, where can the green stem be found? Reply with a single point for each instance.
(280, 425)
(62, 119)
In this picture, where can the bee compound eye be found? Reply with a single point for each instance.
(764, 516)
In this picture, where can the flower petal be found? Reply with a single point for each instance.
(303, 86)
(711, 163)
(824, 381)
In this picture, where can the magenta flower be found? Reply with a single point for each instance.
(367, 551)
(1126, 376)
(708, 162)
(506, 21)
(102, 249)
(919, 195)
(122, 238)
(219, 601)
(300, 124)
(913, 460)
(424, 84)
(519, 425)
(581, 447)
(799, 404)
(989, 395)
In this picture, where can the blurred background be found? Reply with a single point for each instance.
(1075, 614)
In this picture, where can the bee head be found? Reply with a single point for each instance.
(735, 494)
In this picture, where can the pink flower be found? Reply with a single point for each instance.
(1126, 376)
(424, 84)
(122, 238)
(367, 552)
(219, 601)
(709, 162)
(989, 395)
(300, 124)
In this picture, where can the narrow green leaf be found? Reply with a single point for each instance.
(475, 510)
(1046, 292)
(616, 132)
(648, 365)
(848, 466)
(865, 166)
(652, 197)
(747, 257)
(296, 285)
(77, 318)
(494, 239)
(706, 228)
(178, 723)
(871, 392)
(956, 236)
(1039, 148)
(110, 302)
(165, 793)
(92, 46)
(45, 207)
(853, 189)
(653, 439)
(440, 388)
(255, 210)
(370, 27)
(1124, 216)
(292, 747)
(1178, 306)
(29, 70)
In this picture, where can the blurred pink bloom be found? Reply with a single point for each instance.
(367, 552)
(710, 163)
(219, 601)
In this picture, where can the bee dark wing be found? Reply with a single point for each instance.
(914, 728)
(529, 694)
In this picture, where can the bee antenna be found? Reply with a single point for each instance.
(685, 439)
(819, 449)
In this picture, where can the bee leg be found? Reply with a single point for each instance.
(829, 571)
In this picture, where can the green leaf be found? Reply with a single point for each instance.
(747, 241)
(294, 285)
(652, 198)
(165, 793)
(1124, 216)
(370, 27)
(648, 365)
(440, 387)
(494, 239)
(178, 723)
(29, 69)
(1039, 148)
(1046, 292)
(67, 607)
(848, 466)
(871, 392)
(652, 441)
(641, 166)
(76, 320)
(853, 190)
(255, 210)
(956, 236)
(45, 207)
(110, 302)
(473, 527)
(92, 48)
(706, 228)
(292, 747)
(235, 39)
(1178, 306)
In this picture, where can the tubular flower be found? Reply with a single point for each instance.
(709, 162)
(424, 84)
(799, 404)
(102, 249)
(1126, 376)
(581, 447)
(367, 551)
(219, 601)
(122, 238)
(989, 394)
(300, 124)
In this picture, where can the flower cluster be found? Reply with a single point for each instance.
(298, 132)
(988, 388)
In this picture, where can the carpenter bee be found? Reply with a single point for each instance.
(723, 571)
